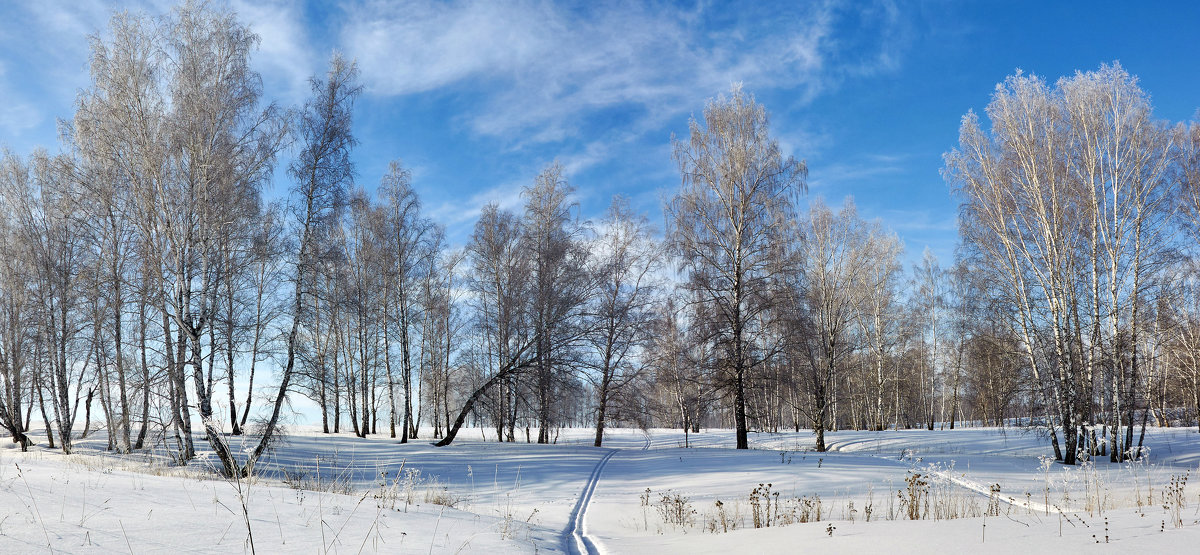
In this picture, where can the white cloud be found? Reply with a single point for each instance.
(529, 69)
(17, 117)
(42, 56)
(284, 57)
(591, 154)
(456, 213)
(921, 220)
(421, 46)
(65, 25)
(845, 174)
(543, 68)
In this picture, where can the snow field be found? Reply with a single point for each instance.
(484, 497)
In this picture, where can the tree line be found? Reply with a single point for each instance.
(144, 273)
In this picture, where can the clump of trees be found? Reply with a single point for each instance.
(1073, 204)
(142, 273)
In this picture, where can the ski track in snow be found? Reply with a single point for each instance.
(971, 486)
(575, 535)
(959, 481)
(986, 491)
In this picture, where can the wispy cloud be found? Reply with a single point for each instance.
(540, 69)
(17, 117)
(43, 50)
(591, 154)
(63, 26)
(285, 56)
(456, 214)
(844, 174)
(920, 220)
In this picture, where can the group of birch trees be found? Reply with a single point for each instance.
(138, 263)
(1078, 226)
(144, 275)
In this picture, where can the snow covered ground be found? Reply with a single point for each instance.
(642, 493)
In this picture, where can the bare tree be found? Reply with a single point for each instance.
(1069, 183)
(17, 311)
(407, 236)
(624, 266)
(124, 76)
(1019, 216)
(929, 298)
(500, 287)
(832, 287)
(38, 197)
(362, 296)
(322, 172)
(441, 332)
(728, 223)
(879, 317)
(553, 239)
(676, 360)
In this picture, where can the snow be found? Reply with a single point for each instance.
(485, 497)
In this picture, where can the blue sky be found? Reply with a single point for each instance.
(477, 97)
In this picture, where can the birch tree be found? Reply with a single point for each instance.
(407, 236)
(832, 287)
(321, 172)
(727, 224)
(504, 351)
(553, 239)
(930, 300)
(1071, 182)
(878, 318)
(624, 266)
